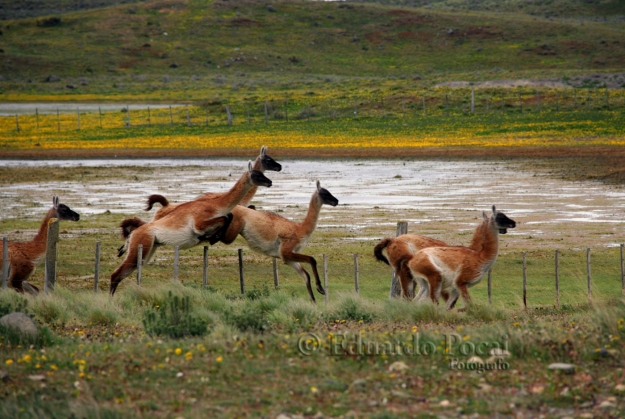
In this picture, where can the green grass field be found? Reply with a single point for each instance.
(352, 78)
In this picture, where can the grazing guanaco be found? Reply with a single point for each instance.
(188, 224)
(24, 257)
(450, 271)
(401, 246)
(273, 235)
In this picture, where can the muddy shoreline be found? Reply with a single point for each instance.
(597, 163)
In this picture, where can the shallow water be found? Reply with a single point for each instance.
(30, 108)
(420, 192)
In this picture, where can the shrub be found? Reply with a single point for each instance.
(174, 319)
(249, 318)
(10, 336)
(12, 302)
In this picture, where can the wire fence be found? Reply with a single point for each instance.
(439, 102)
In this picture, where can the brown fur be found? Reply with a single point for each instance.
(406, 244)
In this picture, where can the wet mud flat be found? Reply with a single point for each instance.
(439, 198)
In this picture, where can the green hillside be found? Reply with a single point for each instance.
(145, 47)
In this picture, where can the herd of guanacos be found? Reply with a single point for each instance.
(437, 268)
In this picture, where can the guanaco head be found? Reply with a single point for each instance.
(257, 177)
(267, 162)
(500, 221)
(326, 197)
(63, 212)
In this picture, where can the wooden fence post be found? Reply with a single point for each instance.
(276, 281)
(205, 268)
(487, 104)
(78, 117)
(228, 115)
(557, 279)
(503, 104)
(51, 255)
(37, 117)
(575, 98)
(424, 109)
(176, 262)
(622, 269)
(355, 109)
(128, 116)
(241, 272)
(356, 274)
(402, 228)
(188, 118)
(247, 110)
(139, 263)
(520, 103)
(524, 281)
(100, 113)
(58, 120)
(557, 101)
(17, 123)
(447, 105)
(607, 99)
(96, 275)
(490, 294)
(325, 277)
(171, 116)
(149, 117)
(472, 100)
(537, 101)
(589, 274)
(5, 262)
(286, 110)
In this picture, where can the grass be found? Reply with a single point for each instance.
(93, 370)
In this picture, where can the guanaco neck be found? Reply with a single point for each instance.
(486, 242)
(310, 222)
(40, 241)
(258, 165)
(233, 197)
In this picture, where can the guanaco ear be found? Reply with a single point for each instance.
(318, 185)
(484, 216)
(55, 201)
(263, 150)
(494, 210)
(249, 165)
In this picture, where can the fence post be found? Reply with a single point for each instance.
(355, 109)
(128, 115)
(557, 101)
(188, 118)
(100, 112)
(490, 294)
(51, 255)
(96, 275)
(402, 228)
(17, 123)
(149, 117)
(58, 120)
(447, 105)
(503, 104)
(607, 99)
(241, 278)
(622, 270)
(520, 102)
(5, 262)
(424, 110)
(524, 280)
(575, 98)
(589, 275)
(276, 281)
(37, 117)
(325, 277)
(537, 101)
(557, 279)
(176, 262)
(356, 274)
(205, 268)
(286, 110)
(78, 117)
(228, 115)
(171, 116)
(487, 107)
(139, 263)
(403, 109)
(472, 100)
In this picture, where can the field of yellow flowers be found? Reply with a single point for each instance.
(190, 129)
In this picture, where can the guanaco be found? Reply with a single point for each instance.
(188, 224)
(449, 271)
(24, 257)
(273, 235)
